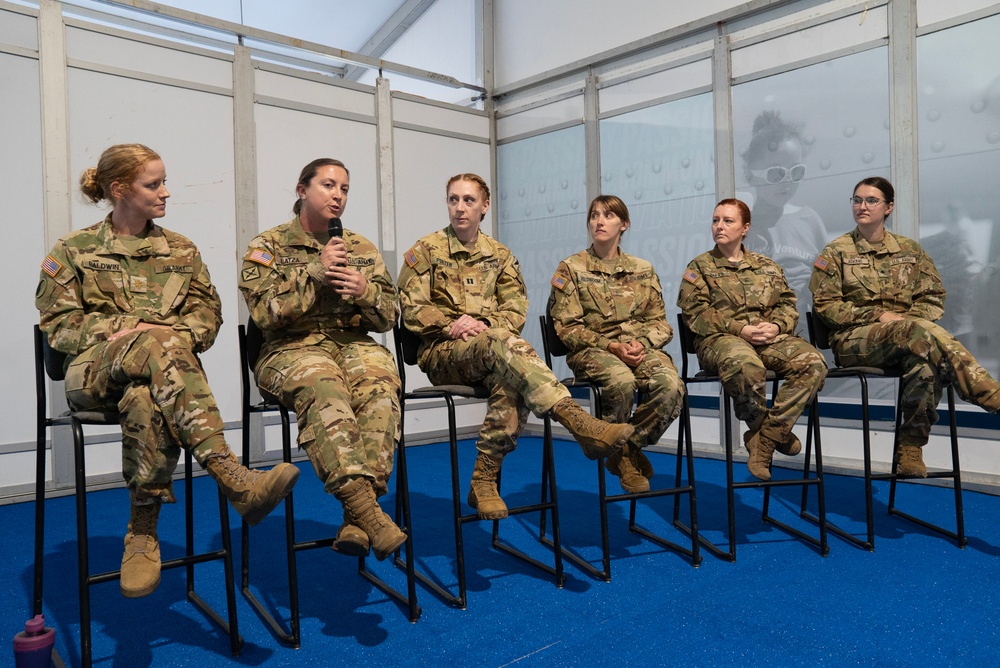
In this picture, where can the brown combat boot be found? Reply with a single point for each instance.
(483, 494)
(596, 437)
(620, 464)
(761, 451)
(639, 460)
(911, 461)
(351, 539)
(252, 492)
(791, 447)
(141, 561)
(362, 510)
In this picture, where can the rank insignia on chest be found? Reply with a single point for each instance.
(261, 257)
(470, 281)
(51, 266)
(138, 284)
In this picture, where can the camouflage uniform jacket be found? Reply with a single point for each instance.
(721, 297)
(853, 282)
(596, 302)
(94, 284)
(282, 280)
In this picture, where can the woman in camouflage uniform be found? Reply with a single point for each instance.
(463, 293)
(880, 294)
(132, 304)
(608, 310)
(316, 296)
(742, 312)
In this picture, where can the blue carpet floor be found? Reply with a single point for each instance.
(917, 600)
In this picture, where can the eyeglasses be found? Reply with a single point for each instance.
(778, 173)
(870, 201)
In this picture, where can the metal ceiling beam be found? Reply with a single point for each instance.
(389, 32)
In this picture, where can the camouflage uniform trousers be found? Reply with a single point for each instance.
(928, 356)
(742, 367)
(655, 378)
(510, 369)
(345, 395)
(160, 390)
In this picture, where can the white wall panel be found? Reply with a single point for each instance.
(932, 11)
(21, 175)
(306, 91)
(287, 140)
(109, 50)
(18, 30)
(657, 86)
(440, 118)
(541, 118)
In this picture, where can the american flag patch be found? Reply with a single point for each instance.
(411, 258)
(559, 281)
(821, 263)
(51, 266)
(261, 257)
(690, 276)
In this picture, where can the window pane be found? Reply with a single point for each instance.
(660, 161)
(959, 143)
(817, 131)
(542, 205)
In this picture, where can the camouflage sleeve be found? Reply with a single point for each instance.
(929, 294)
(379, 305)
(785, 314)
(695, 300)
(654, 330)
(827, 286)
(201, 312)
(277, 295)
(420, 315)
(567, 313)
(62, 316)
(512, 299)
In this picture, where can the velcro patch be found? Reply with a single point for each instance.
(261, 257)
(411, 258)
(51, 266)
(821, 263)
(558, 281)
(690, 276)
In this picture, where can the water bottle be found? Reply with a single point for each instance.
(33, 645)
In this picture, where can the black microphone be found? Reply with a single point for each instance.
(335, 228)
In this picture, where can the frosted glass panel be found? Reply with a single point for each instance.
(820, 129)
(660, 161)
(542, 199)
(959, 144)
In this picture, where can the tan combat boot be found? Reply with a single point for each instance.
(483, 494)
(141, 561)
(791, 447)
(252, 492)
(362, 510)
(596, 437)
(911, 461)
(639, 460)
(351, 539)
(620, 464)
(761, 452)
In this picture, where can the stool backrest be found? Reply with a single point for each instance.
(409, 344)
(254, 343)
(551, 343)
(52, 360)
(819, 333)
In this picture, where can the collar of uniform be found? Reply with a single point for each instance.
(297, 235)
(722, 261)
(889, 243)
(155, 242)
(623, 264)
(455, 245)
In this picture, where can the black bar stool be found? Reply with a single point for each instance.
(251, 340)
(50, 362)
(687, 337)
(554, 347)
(407, 346)
(819, 335)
